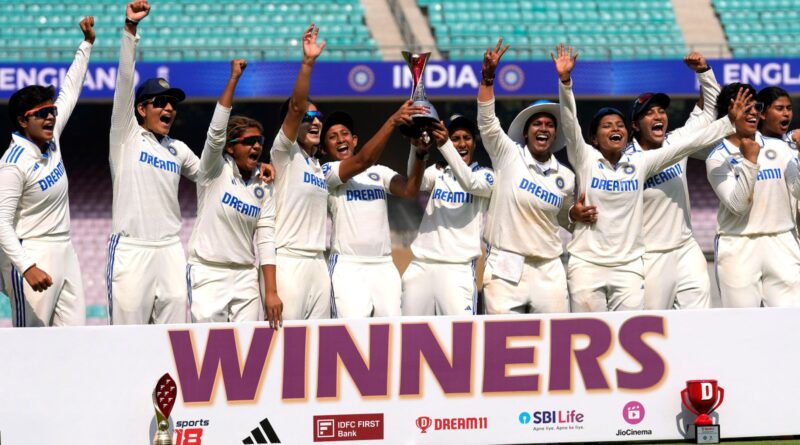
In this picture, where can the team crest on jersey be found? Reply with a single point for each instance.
(629, 169)
(172, 150)
(374, 176)
(489, 178)
(325, 169)
(770, 154)
(259, 192)
(560, 182)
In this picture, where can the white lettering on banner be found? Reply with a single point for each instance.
(706, 391)
(437, 76)
(97, 79)
(757, 74)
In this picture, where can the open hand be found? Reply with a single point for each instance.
(565, 62)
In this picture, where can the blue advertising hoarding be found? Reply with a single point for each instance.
(274, 80)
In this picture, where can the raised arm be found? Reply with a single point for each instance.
(299, 100)
(734, 181)
(698, 139)
(211, 159)
(369, 154)
(706, 110)
(577, 150)
(497, 143)
(408, 187)
(479, 183)
(123, 121)
(70, 89)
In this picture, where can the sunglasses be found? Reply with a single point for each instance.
(310, 115)
(249, 140)
(42, 112)
(162, 101)
(758, 106)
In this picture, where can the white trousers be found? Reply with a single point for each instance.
(304, 286)
(542, 288)
(364, 287)
(597, 288)
(435, 288)
(677, 278)
(758, 270)
(61, 304)
(223, 293)
(146, 281)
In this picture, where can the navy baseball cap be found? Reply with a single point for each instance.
(458, 121)
(156, 86)
(601, 113)
(645, 100)
(338, 118)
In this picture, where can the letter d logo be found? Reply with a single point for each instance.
(706, 391)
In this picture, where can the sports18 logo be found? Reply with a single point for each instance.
(192, 435)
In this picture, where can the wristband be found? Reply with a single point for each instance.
(703, 70)
(131, 22)
(488, 81)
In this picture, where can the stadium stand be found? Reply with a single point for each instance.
(463, 28)
(186, 30)
(760, 28)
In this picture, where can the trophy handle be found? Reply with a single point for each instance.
(721, 398)
(684, 397)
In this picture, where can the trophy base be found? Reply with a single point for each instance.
(706, 433)
(421, 123)
(162, 438)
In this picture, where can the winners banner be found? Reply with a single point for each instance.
(471, 380)
(442, 79)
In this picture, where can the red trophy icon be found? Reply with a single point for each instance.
(423, 423)
(163, 400)
(702, 397)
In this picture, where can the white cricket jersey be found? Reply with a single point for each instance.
(450, 230)
(144, 172)
(359, 215)
(34, 200)
(528, 202)
(616, 238)
(301, 199)
(230, 210)
(755, 199)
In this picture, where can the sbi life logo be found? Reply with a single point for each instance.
(564, 417)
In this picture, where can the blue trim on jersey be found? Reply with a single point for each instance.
(716, 263)
(12, 152)
(112, 249)
(19, 298)
(189, 284)
(332, 260)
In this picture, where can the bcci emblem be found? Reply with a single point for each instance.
(259, 192)
(560, 182)
(172, 150)
(511, 77)
(490, 178)
(771, 154)
(361, 78)
(163, 83)
(374, 176)
(629, 169)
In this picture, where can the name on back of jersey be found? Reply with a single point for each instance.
(51, 179)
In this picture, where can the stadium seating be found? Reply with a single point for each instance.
(763, 28)
(47, 30)
(603, 30)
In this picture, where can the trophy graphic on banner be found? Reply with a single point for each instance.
(163, 400)
(416, 63)
(703, 396)
(423, 423)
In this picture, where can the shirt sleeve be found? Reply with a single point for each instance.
(500, 147)
(428, 178)
(478, 182)
(280, 153)
(123, 121)
(386, 174)
(265, 231)
(71, 86)
(12, 180)
(793, 176)
(578, 152)
(211, 159)
(331, 172)
(697, 139)
(733, 180)
(191, 163)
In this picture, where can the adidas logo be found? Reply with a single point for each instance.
(258, 433)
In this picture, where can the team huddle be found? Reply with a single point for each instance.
(259, 240)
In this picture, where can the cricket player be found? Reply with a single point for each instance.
(758, 185)
(606, 270)
(531, 198)
(364, 279)
(675, 274)
(441, 277)
(234, 204)
(301, 199)
(39, 267)
(146, 266)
